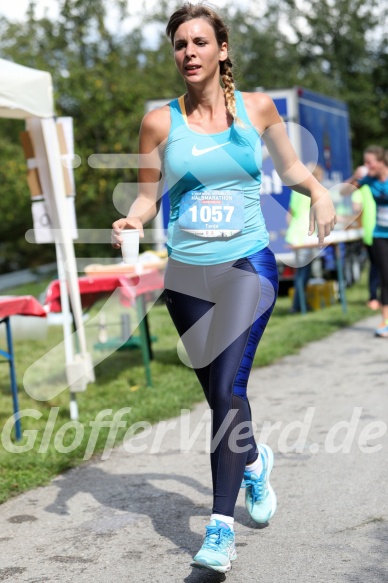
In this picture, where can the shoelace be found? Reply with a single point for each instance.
(257, 488)
(216, 538)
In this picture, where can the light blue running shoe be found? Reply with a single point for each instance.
(382, 332)
(260, 499)
(218, 549)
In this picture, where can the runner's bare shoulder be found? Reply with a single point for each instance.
(261, 109)
(156, 123)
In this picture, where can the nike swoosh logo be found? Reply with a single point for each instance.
(197, 152)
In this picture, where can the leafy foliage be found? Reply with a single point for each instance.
(338, 56)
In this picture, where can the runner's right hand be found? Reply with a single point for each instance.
(120, 224)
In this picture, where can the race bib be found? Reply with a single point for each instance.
(212, 213)
(382, 216)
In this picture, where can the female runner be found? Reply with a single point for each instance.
(221, 279)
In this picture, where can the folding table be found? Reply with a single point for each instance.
(335, 238)
(133, 289)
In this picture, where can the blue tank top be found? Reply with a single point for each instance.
(213, 182)
(380, 194)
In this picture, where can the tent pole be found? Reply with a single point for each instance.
(61, 223)
(66, 323)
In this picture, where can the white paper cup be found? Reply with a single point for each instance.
(130, 245)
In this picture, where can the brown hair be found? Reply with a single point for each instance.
(190, 11)
(378, 152)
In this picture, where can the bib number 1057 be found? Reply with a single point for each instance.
(211, 214)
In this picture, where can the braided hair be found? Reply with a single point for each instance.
(190, 11)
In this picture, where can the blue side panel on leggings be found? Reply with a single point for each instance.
(264, 265)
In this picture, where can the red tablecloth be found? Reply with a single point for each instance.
(96, 287)
(20, 305)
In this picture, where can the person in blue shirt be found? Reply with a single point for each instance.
(376, 162)
(221, 279)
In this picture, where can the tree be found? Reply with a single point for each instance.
(99, 80)
(380, 82)
(265, 56)
(336, 58)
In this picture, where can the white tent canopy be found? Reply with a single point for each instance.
(25, 92)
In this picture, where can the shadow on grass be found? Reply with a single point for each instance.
(123, 360)
(168, 357)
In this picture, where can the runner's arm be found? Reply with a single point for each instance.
(291, 170)
(150, 185)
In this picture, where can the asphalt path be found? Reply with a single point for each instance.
(139, 515)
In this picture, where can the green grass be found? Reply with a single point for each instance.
(120, 382)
